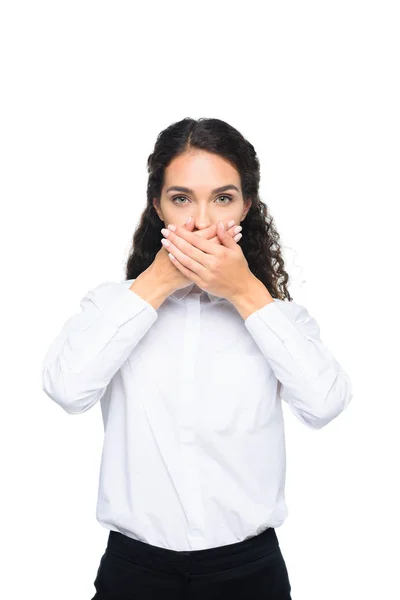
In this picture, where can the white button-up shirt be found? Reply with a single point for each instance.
(190, 394)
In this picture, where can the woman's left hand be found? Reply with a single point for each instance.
(220, 269)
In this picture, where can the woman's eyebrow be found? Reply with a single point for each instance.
(224, 188)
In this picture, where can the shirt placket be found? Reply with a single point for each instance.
(187, 433)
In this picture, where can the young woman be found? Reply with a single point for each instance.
(190, 357)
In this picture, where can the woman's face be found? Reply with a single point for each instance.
(201, 173)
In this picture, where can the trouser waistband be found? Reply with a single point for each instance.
(199, 561)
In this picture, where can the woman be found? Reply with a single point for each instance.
(190, 356)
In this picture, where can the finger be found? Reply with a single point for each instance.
(196, 242)
(231, 232)
(190, 225)
(225, 239)
(185, 257)
(195, 247)
(184, 270)
(206, 233)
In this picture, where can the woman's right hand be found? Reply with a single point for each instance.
(165, 268)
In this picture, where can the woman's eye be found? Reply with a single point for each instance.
(184, 197)
(229, 198)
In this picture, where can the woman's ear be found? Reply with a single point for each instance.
(156, 206)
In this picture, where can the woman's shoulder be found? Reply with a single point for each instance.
(107, 290)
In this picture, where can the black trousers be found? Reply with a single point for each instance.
(252, 569)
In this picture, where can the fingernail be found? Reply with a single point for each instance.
(221, 225)
(230, 223)
(188, 221)
(237, 237)
(237, 228)
(172, 227)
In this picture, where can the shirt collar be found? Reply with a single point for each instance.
(183, 292)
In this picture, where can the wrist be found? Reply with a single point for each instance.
(150, 288)
(252, 296)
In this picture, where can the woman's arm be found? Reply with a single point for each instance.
(93, 344)
(311, 380)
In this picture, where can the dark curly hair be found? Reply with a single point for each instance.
(260, 241)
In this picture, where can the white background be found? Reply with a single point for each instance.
(86, 88)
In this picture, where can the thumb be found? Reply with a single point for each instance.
(224, 237)
(189, 226)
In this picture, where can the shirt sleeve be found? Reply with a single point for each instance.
(93, 344)
(310, 379)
